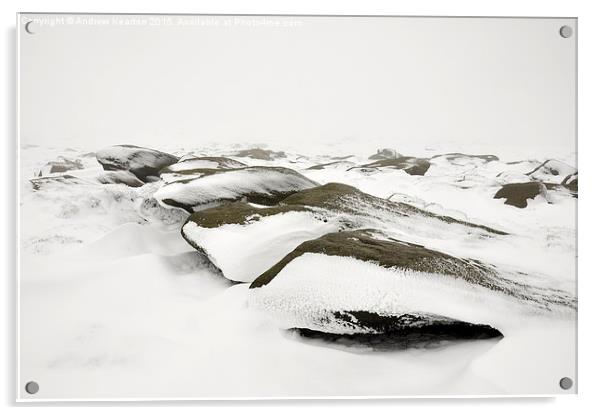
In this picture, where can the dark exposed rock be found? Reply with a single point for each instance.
(237, 213)
(436, 332)
(517, 194)
(144, 163)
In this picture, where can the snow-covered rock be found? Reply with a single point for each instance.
(120, 177)
(571, 182)
(193, 168)
(461, 159)
(266, 185)
(149, 208)
(552, 171)
(144, 163)
(243, 241)
(260, 154)
(358, 209)
(92, 244)
(411, 165)
(260, 236)
(75, 206)
(44, 183)
(364, 282)
(61, 165)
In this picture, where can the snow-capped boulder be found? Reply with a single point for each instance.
(262, 235)
(265, 185)
(517, 194)
(260, 154)
(385, 153)
(552, 171)
(44, 183)
(244, 240)
(355, 208)
(120, 177)
(61, 165)
(461, 159)
(148, 208)
(195, 167)
(411, 165)
(571, 182)
(144, 163)
(363, 282)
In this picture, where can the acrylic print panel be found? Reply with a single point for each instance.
(296, 206)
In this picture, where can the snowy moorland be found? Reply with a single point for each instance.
(252, 271)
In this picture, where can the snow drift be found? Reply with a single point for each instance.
(267, 185)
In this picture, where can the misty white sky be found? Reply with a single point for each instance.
(100, 80)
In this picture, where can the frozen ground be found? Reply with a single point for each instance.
(115, 304)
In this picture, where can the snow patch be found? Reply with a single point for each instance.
(243, 252)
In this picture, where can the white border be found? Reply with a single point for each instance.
(590, 128)
(20, 382)
(18, 211)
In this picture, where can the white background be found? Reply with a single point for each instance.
(590, 287)
(325, 80)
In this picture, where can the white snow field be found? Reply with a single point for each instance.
(115, 304)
